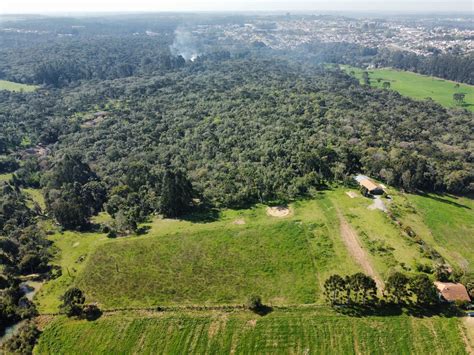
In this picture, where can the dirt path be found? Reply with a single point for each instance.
(352, 243)
(468, 334)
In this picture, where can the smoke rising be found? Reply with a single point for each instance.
(185, 44)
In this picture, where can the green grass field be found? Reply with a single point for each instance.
(223, 259)
(285, 260)
(446, 222)
(417, 86)
(280, 332)
(11, 86)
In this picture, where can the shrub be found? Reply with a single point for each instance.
(254, 303)
(73, 302)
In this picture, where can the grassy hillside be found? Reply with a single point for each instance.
(445, 221)
(417, 86)
(283, 260)
(239, 253)
(11, 86)
(223, 258)
(306, 331)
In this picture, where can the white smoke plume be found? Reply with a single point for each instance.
(185, 44)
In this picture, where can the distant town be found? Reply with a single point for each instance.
(418, 37)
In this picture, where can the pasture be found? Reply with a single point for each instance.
(417, 86)
(223, 257)
(316, 331)
(218, 260)
(11, 86)
(446, 221)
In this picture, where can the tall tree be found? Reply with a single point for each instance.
(397, 287)
(176, 194)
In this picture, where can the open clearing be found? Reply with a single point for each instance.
(286, 261)
(358, 254)
(212, 260)
(11, 86)
(417, 86)
(306, 331)
(219, 260)
(445, 221)
(278, 211)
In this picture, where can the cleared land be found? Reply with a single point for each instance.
(11, 86)
(445, 221)
(212, 260)
(209, 259)
(417, 86)
(303, 332)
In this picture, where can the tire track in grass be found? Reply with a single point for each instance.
(351, 240)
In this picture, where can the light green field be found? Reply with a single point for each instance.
(11, 86)
(280, 332)
(446, 222)
(224, 259)
(417, 86)
(387, 247)
(285, 260)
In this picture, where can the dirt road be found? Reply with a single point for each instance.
(351, 240)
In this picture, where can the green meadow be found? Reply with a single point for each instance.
(220, 258)
(445, 221)
(223, 257)
(313, 331)
(242, 252)
(11, 86)
(417, 86)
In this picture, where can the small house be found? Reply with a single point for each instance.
(452, 292)
(369, 185)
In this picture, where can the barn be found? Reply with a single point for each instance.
(369, 185)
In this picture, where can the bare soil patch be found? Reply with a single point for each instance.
(278, 211)
(378, 204)
(239, 221)
(351, 240)
(352, 194)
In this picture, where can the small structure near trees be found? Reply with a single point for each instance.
(368, 186)
(452, 292)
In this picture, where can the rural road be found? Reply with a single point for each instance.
(351, 240)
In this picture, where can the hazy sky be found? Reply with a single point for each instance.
(45, 6)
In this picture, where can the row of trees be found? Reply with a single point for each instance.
(361, 289)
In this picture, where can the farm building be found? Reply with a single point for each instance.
(452, 292)
(369, 185)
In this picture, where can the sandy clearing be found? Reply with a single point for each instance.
(378, 204)
(239, 221)
(352, 194)
(278, 211)
(351, 240)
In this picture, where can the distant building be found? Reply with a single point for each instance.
(452, 292)
(367, 184)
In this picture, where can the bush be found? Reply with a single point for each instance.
(73, 302)
(254, 303)
(91, 312)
